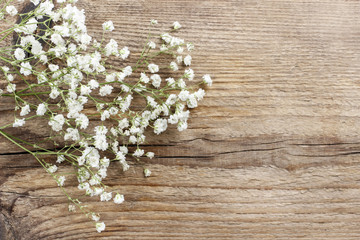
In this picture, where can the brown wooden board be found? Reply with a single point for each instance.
(271, 153)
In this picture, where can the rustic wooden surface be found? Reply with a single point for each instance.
(271, 153)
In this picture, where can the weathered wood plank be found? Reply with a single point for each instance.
(271, 153)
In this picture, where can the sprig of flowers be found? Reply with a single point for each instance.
(55, 69)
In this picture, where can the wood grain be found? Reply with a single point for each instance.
(271, 153)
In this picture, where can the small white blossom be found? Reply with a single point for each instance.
(144, 78)
(71, 208)
(25, 110)
(153, 22)
(35, 2)
(124, 53)
(176, 25)
(207, 80)
(119, 198)
(19, 122)
(85, 90)
(190, 47)
(100, 142)
(93, 84)
(111, 48)
(156, 80)
(170, 81)
(105, 90)
(138, 153)
(153, 68)
(182, 126)
(184, 95)
(95, 217)
(100, 227)
(192, 102)
(82, 120)
(174, 66)
(199, 94)
(19, 54)
(105, 196)
(147, 172)
(151, 44)
(60, 158)
(52, 169)
(11, 10)
(150, 155)
(61, 180)
(179, 59)
(187, 60)
(160, 125)
(72, 134)
(189, 74)
(108, 26)
(53, 67)
(57, 122)
(25, 68)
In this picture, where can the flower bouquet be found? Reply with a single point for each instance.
(98, 109)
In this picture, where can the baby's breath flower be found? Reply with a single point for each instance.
(124, 53)
(138, 153)
(11, 10)
(72, 134)
(53, 67)
(199, 94)
(207, 80)
(105, 90)
(176, 25)
(35, 2)
(60, 158)
(160, 125)
(61, 180)
(108, 26)
(191, 101)
(151, 44)
(111, 48)
(147, 172)
(153, 22)
(190, 47)
(187, 60)
(93, 84)
(150, 155)
(153, 68)
(19, 122)
(180, 50)
(100, 226)
(25, 68)
(19, 54)
(119, 198)
(144, 78)
(52, 169)
(170, 81)
(182, 126)
(95, 217)
(71, 208)
(25, 110)
(57, 122)
(174, 66)
(179, 59)
(189, 74)
(156, 80)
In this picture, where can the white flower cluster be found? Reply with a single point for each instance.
(74, 68)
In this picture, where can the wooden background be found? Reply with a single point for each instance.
(273, 152)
